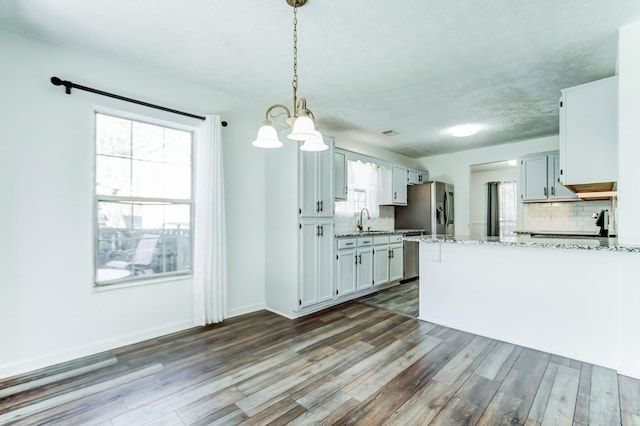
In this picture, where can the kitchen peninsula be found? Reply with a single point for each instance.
(575, 298)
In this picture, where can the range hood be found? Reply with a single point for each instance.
(595, 191)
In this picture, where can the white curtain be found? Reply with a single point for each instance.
(210, 259)
(360, 177)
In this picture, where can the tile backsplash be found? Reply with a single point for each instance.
(566, 216)
(384, 222)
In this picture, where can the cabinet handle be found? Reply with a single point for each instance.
(321, 206)
(346, 190)
(348, 244)
(545, 191)
(322, 230)
(317, 231)
(317, 206)
(356, 259)
(553, 190)
(360, 259)
(395, 195)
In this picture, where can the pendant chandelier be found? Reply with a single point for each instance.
(302, 121)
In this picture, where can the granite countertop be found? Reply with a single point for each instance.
(595, 243)
(373, 233)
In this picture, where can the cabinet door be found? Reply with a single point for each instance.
(396, 255)
(324, 259)
(364, 273)
(308, 254)
(346, 271)
(413, 177)
(316, 266)
(556, 190)
(589, 132)
(340, 175)
(324, 179)
(380, 265)
(309, 205)
(399, 185)
(533, 178)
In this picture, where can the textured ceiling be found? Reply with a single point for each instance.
(416, 67)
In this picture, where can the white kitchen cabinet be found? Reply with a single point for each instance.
(538, 180)
(381, 259)
(589, 133)
(413, 177)
(316, 248)
(556, 189)
(340, 189)
(298, 263)
(364, 263)
(346, 260)
(396, 253)
(393, 186)
(316, 179)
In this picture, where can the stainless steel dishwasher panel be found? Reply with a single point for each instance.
(411, 266)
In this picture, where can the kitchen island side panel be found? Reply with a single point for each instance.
(565, 302)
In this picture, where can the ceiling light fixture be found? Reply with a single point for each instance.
(464, 130)
(303, 120)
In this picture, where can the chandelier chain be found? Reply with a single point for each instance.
(294, 83)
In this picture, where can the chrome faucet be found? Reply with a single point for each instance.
(360, 224)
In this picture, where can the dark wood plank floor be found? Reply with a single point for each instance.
(402, 298)
(352, 364)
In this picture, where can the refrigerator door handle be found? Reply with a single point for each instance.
(446, 209)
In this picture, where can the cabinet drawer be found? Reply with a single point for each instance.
(344, 243)
(395, 238)
(381, 239)
(365, 241)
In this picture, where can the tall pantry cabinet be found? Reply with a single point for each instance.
(299, 228)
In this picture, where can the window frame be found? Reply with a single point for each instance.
(191, 201)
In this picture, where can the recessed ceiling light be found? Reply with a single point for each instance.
(464, 130)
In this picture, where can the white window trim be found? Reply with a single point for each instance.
(156, 278)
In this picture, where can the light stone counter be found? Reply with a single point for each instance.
(595, 243)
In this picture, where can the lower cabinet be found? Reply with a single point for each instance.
(364, 265)
(316, 245)
(381, 257)
(396, 258)
(364, 262)
(346, 266)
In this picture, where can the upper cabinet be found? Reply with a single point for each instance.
(393, 186)
(315, 197)
(413, 176)
(340, 189)
(423, 176)
(589, 136)
(538, 179)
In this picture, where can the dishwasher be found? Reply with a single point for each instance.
(411, 258)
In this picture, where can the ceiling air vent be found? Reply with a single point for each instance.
(390, 133)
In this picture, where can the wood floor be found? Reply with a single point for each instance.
(403, 299)
(353, 364)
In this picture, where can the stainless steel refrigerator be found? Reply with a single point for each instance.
(429, 207)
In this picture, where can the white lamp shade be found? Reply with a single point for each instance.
(267, 138)
(314, 143)
(303, 129)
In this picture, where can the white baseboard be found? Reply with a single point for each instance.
(236, 312)
(25, 366)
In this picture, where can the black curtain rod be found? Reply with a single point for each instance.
(70, 85)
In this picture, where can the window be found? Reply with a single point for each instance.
(144, 202)
(508, 208)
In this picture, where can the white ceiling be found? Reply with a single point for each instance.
(365, 66)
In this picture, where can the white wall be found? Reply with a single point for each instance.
(629, 134)
(478, 196)
(629, 190)
(383, 154)
(454, 168)
(49, 310)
